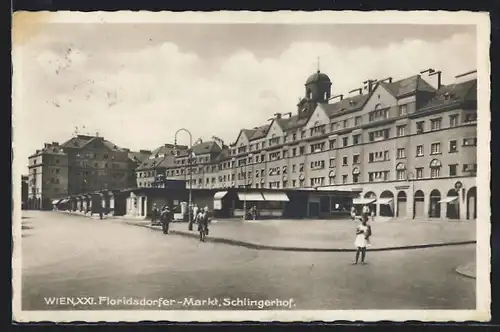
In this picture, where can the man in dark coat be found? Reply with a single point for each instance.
(166, 217)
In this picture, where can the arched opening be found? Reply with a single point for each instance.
(386, 204)
(452, 205)
(472, 203)
(401, 213)
(418, 204)
(372, 206)
(434, 205)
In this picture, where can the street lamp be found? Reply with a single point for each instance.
(190, 155)
(411, 177)
(245, 188)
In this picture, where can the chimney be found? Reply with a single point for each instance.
(369, 85)
(55, 143)
(360, 91)
(337, 96)
(433, 72)
(46, 145)
(277, 115)
(470, 75)
(289, 114)
(388, 79)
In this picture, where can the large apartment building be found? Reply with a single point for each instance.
(82, 164)
(408, 147)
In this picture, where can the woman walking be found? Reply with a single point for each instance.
(363, 233)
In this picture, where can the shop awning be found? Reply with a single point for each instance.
(384, 201)
(55, 201)
(220, 194)
(250, 197)
(449, 199)
(276, 197)
(363, 201)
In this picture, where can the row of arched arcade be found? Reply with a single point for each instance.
(435, 204)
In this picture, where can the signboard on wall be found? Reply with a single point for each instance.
(217, 204)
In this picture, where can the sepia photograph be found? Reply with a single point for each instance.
(246, 166)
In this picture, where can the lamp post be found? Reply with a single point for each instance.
(245, 188)
(190, 225)
(411, 177)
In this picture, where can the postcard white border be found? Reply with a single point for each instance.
(21, 24)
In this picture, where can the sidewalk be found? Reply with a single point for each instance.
(328, 235)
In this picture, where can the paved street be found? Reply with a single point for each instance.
(67, 256)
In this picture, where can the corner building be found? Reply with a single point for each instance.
(408, 148)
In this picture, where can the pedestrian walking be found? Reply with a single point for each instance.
(365, 212)
(154, 214)
(165, 218)
(353, 212)
(372, 215)
(363, 233)
(202, 220)
(253, 212)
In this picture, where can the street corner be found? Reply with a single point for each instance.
(467, 270)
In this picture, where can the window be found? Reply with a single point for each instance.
(378, 156)
(318, 147)
(454, 120)
(401, 175)
(285, 169)
(401, 153)
(470, 117)
(332, 162)
(355, 178)
(378, 176)
(453, 146)
(356, 139)
(294, 152)
(420, 172)
(470, 141)
(420, 127)
(333, 126)
(317, 181)
(346, 123)
(294, 183)
(401, 130)
(379, 135)
(105, 156)
(345, 141)
(332, 144)
(435, 172)
(378, 114)
(301, 151)
(357, 121)
(344, 161)
(420, 150)
(344, 179)
(435, 148)
(303, 134)
(318, 164)
(436, 124)
(301, 167)
(402, 110)
(355, 159)
(294, 168)
(453, 170)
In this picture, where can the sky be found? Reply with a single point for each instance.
(137, 84)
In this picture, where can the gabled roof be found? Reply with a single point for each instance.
(346, 104)
(138, 156)
(451, 94)
(248, 133)
(50, 150)
(81, 141)
(202, 148)
(260, 132)
(159, 155)
(407, 86)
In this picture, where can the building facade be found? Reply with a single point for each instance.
(409, 148)
(82, 164)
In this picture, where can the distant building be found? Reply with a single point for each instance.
(24, 191)
(82, 164)
(135, 160)
(407, 147)
(154, 166)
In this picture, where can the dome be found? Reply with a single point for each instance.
(318, 77)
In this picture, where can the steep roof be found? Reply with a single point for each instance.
(138, 156)
(201, 148)
(260, 132)
(347, 104)
(451, 94)
(50, 149)
(158, 156)
(81, 141)
(407, 86)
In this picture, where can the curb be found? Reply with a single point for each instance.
(249, 245)
(463, 271)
